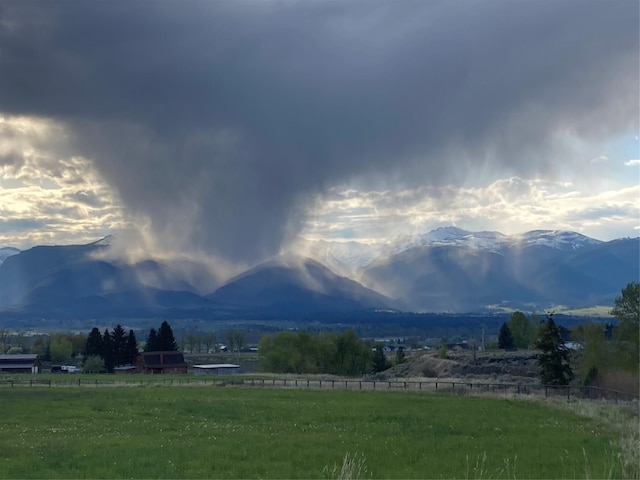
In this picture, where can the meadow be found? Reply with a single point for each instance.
(235, 432)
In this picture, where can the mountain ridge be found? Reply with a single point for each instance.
(445, 270)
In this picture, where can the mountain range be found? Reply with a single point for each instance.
(445, 270)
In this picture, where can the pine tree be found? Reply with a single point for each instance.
(553, 359)
(505, 339)
(166, 340)
(380, 362)
(400, 356)
(119, 345)
(151, 345)
(107, 351)
(93, 345)
(132, 349)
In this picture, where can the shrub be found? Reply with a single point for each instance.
(94, 364)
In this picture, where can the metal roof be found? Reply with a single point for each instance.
(217, 365)
(19, 356)
(8, 366)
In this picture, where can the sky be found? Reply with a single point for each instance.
(230, 128)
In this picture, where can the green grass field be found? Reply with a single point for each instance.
(216, 432)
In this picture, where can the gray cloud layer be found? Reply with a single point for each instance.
(220, 121)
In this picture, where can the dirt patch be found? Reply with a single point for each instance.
(502, 367)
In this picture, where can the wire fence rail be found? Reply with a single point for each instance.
(449, 386)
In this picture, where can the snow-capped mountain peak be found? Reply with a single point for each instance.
(557, 239)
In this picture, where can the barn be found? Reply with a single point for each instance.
(163, 362)
(20, 363)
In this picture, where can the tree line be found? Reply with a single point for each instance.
(604, 351)
(105, 351)
(302, 352)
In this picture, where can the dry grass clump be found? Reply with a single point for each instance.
(623, 419)
(353, 467)
(620, 381)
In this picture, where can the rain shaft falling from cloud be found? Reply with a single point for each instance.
(217, 123)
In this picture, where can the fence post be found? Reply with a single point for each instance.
(436, 385)
(546, 393)
(568, 392)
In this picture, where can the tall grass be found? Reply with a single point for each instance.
(623, 419)
(215, 432)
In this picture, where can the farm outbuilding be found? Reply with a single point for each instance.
(216, 369)
(20, 363)
(163, 362)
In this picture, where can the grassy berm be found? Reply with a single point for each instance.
(231, 432)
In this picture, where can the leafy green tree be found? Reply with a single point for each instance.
(93, 364)
(166, 340)
(288, 352)
(596, 355)
(236, 340)
(40, 345)
(327, 352)
(553, 359)
(209, 340)
(194, 342)
(627, 311)
(522, 329)
(505, 339)
(60, 347)
(380, 362)
(353, 355)
(627, 306)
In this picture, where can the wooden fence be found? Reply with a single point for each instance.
(434, 386)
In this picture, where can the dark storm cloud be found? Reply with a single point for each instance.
(220, 120)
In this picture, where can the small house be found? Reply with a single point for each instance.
(163, 362)
(20, 363)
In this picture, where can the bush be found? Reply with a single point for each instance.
(442, 353)
(93, 364)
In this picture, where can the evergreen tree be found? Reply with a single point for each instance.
(166, 341)
(119, 345)
(93, 345)
(553, 358)
(132, 349)
(505, 339)
(380, 362)
(151, 345)
(400, 356)
(107, 351)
